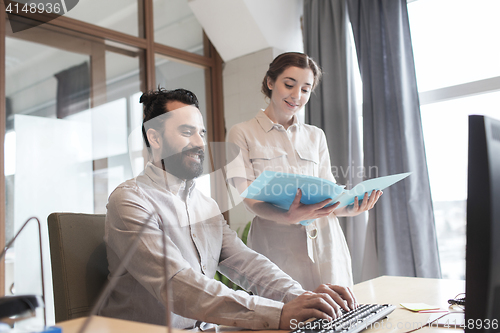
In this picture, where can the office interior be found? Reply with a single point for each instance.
(71, 117)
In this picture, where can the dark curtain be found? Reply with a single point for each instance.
(73, 90)
(332, 106)
(400, 238)
(401, 225)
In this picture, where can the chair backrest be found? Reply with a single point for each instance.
(79, 262)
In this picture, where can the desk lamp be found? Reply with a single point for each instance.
(19, 307)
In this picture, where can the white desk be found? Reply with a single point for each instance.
(382, 290)
(395, 290)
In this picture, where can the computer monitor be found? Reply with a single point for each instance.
(482, 274)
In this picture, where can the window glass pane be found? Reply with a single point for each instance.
(71, 105)
(123, 86)
(49, 166)
(445, 127)
(454, 41)
(175, 25)
(119, 15)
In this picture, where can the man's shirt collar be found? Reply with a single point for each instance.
(166, 179)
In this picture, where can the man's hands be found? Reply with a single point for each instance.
(324, 302)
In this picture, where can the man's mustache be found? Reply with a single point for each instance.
(198, 151)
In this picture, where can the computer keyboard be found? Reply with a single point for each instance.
(350, 322)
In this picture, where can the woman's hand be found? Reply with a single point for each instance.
(356, 208)
(296, 213)
(301, 212)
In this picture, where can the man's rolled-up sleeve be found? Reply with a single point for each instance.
(196, 296)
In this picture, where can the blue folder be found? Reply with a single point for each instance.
(279, 188)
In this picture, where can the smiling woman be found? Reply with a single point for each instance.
(290, 92)
(276, 140)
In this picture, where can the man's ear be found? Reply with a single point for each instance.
(154, 138)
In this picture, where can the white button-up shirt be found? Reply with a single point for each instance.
(198, 242)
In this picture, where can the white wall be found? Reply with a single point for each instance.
(240, 27)
(242, 79)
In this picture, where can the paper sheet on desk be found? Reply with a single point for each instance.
(417, 307)
(280, 188)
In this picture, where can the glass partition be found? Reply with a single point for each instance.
(69, 114)
(71, 108)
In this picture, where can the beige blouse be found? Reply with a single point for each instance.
(300, 149)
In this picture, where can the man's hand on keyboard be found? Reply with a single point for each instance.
(324, 302)
(342, 296)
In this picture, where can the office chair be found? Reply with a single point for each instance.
(79, 262)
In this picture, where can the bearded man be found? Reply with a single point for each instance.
(162, 203)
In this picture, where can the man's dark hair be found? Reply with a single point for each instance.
(155, 104)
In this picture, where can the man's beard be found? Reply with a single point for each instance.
(180, 165)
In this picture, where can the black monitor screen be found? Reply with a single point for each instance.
(482, 308)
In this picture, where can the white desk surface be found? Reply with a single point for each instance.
(382, 290)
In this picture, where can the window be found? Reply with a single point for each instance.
(117, 15)
(175, 25)
(458, 74)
